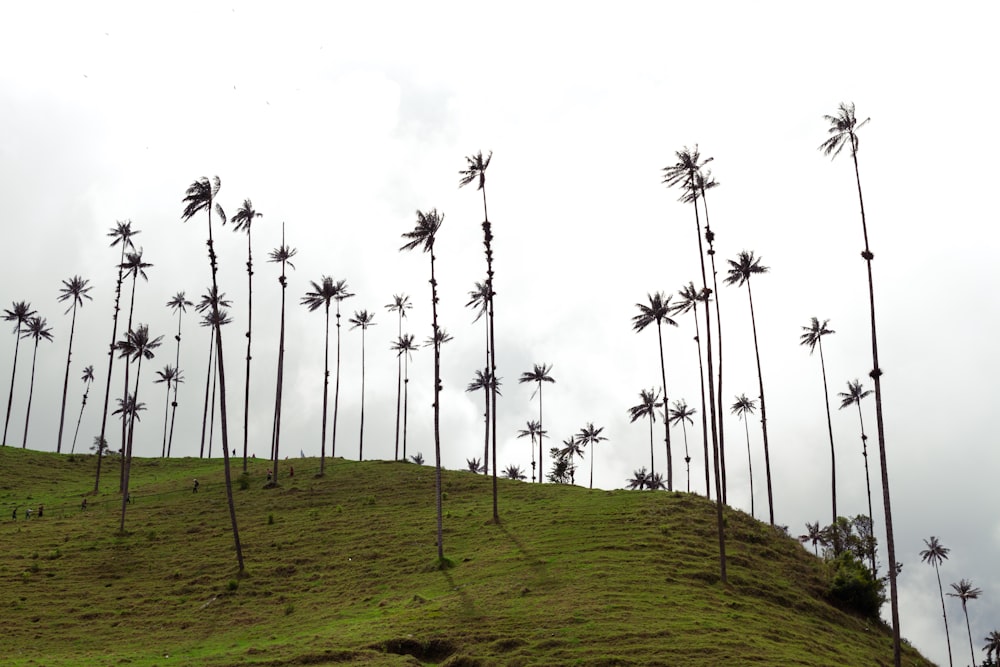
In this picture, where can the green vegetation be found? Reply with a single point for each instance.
(342, 569)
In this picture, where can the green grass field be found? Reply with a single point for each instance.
(342, 570)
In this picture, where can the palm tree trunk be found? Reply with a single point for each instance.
(361, 437)
(166, 415)
(208, 386)
(336, 390)
(944, 615)
(650, 446)
(31, 393)
(111, 362)
(876, 375)
(246, 393)
(829, 427)
(969, 629)
(594, 445)
(868, 485)
(79, 419)
(704, 407)
(406, 398)
(437, 410)
(746, 428)
(763, 409)
(127, 449)
(710, 237)
(131, 311)
(69, 356)
(492, 389)
(13, 374)
(541, 431)
(279, 385)
(687, 457)
(486, 396)
(211, 422)
(666, 421)
(399, 385)
(326, 391)
(177, 365)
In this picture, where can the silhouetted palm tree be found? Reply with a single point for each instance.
(418, 458)
(534, 429)
(321, 295)
(207, 307)
(843, 131)
(854, 395)
(689, 300)
(76, 289)
(658, 311)
(571, 448)
(340, 294)
(655, 482)
(813, 337)
(965, 592)
(400, 304)
(484, 381)
(639, 479)
(539, 374)
(740, 272)
(741, 408)
(135, 267)
(935, 554)
(681, 413)
(648, 402)
(515, 473)
(589, 435)
(242, 221)
(201, 197)
(281, 255)
(814, 534)
(405, 347)
(362, 319)
(474, 466)
(992, 645)
(479, 298)
(20, 313)
(38, 329)
(178, 304)
(562, 469)
(172, 377)
(423, 236)
(88, 378)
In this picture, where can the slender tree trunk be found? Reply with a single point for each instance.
(746, 428)
(336, 390)
(763, 409)
(868, 485)
(718, 327)
(246, 394)
(650, 447)
(829, 427)
(177, 365)
(326, 389)
(127, 449)
(666, 411)
(406, 398)
(69, 356)
(13, 374)
(279, 388)
(944, 615)
(594, 446)
(80, 418)
(211, 422)
(969, 629)
(704, 407)
(541, 432)
(399, 384)
(131, 311)
(687, 457)
(437, 410)
(361, 437)
(31, 393)
(208, 387)
(111, 362)
(486, 395)
(166, 415)
(492, 389)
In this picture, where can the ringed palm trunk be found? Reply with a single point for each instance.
(746, 428)
(687, 457)
(208, 388)
(80, 418)
(492, 389)
(127, 451)
(437, 409)
(361, 437)
(69, 356)
(666, 422)
(650, 448)
(279, 386)
(944, 615)
(131, 311)
(111, 363)
(704, 408)
(969, 629)
(541, 463)
(829, 427)
(31, 393)
(336, 390)
(326, 386)
(177, 365)
(868, 485)
(399, 386)
(710, 236)
(13, 374)
(406, 397)
(246, 393)
(166, 415)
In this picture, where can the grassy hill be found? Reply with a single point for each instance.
(342, 570)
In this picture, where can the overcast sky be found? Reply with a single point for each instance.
(342, 121)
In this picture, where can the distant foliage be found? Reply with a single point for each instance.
(853, 587)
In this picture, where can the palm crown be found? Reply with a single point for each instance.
(244, 217)
(212, 299)
(965, 591)
(539, 374)
(179, 302)
(681, 413)
(479, 298)
(685, 170)
(743, 406)
(169, 374)
(134, 266)
(423, 234)
(476, 170)
(122, 233)
(843, 129)
(649, 400)
(690, 297)
(88, 374)
(404, 345)
(743, 267)
(363, 319)
(19, 313)
(322, 293)
(38, 329)
(854, 394)
(200, 196)
(137, 343)
(813, 333)
(657, 311)
(76, 289)
(400, 304)
(935, 553)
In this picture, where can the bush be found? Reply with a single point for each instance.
(854, 588)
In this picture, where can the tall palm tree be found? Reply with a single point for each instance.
(589, 435)
(122, 234)
(400, 304)
(242, 221)
(201, 196)
(362, 319)
(813, 337)
(965, 592)
(340, 294)
(814, 534)
(740, 272)
(539, 374)
(19, 313)
(534, 430)
(207, 307)
(741, 408)
(135, 267)
(475, 171)
(172, 376)
(572, 447)
(683, 173)
(843, 131)
(639, 479)
(992, 645)
(280, 255)
(321, 295)
(137, 346)
(404, 347)
(681, 413)
(853, 396)
(935, 554)
(514, 472)
(423, 236)
(178, 304)
(76, 289)
(479, 299)
(649, 400)
(658, 311)
(88, 378)
(38, 329)
(482, 380)
(689, 298)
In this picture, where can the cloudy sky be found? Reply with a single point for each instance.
(342, 121)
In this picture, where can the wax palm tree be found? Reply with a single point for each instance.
(201, 196)
(965, 592)
(740, 272)
(658, 311)
(418, 458)
(340, 294)
(475, 171)
(178, 304)
(935, 554)
(135, 268)
(479, 299)
(639, 479)
(362, 319)
(172, 376)
(280, 255)
(853, 396)
(242, 221)
(136, 346)
(843, 127)
(648, 402)
(655, 482)
(474, 466)
(681, 413)
(37, 329)
(813, 337)
(515, 473)
(208, 305)
(562, 469)
(741, 408)
(689, 298)
(405, 347)
(75, 289)
(120, 234)
(88, 378)
(19, 313)
(683, 173)
(539, 374)
(534, 430)
(128, 409)
(484, 381)
(814, 534)
(571, 447)
(423, 236)
(400, 304)
(322, 294)
(589, 435)
(992, 645)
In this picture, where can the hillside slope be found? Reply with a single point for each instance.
(342, 570)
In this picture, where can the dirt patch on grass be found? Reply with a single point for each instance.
(432, 650)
